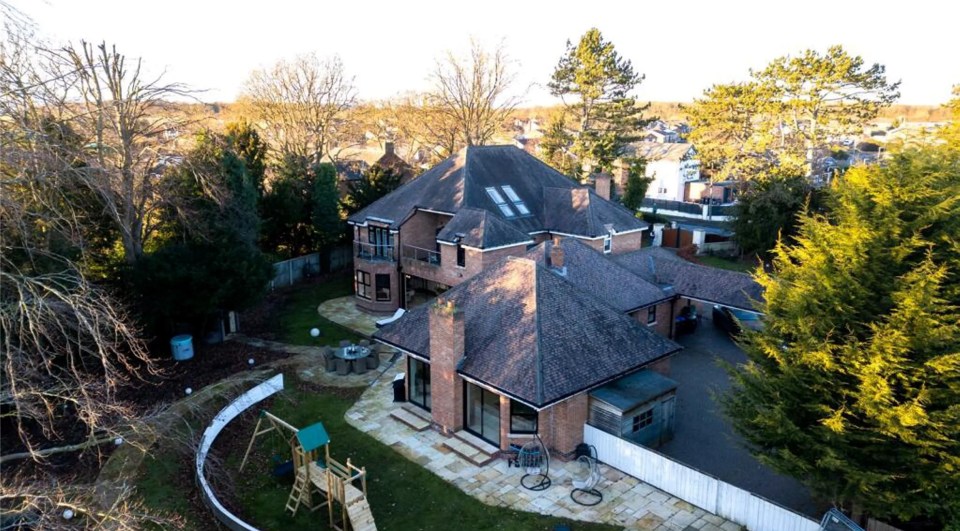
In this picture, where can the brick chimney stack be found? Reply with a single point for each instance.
(447, 348)
(556, 254)
(388, 148)
(602, 184)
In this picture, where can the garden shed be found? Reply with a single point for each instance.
(638, 407)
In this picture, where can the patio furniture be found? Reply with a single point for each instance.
(344, 343)
(330, 364)
(585, 478)
(343, 366)
(535, 460)
(364, 342)
(396, 315)
(359, 365)
(373, 360)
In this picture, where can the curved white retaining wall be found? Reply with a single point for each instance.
(227, 414)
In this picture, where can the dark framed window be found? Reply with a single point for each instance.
(383, 287)
(523, 418)
(381, 241)
(461, 256)
(362, 284)
(643, 420)
(418, 383)
(607, 244)
(651, 315)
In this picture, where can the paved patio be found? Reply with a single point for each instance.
(343, 311)
(627, 501)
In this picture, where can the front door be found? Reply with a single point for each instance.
(482, 413)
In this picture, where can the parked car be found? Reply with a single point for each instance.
(734, 321)
(687, 321)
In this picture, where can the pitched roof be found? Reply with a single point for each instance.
(533, 335)
(481, 229)
(461, 182)
(664, 268)
(657, 151)
(593, 272)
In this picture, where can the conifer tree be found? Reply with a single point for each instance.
(853, 385)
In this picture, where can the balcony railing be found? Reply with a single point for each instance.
(419, 254)
(374, 251)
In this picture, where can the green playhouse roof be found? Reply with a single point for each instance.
(313, 436)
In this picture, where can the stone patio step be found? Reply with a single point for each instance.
(410, 418)
(472, 448)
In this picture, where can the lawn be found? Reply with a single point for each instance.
(743, 266)
(402, 494)
(299, 313)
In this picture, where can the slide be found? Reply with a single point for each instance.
(361, 519)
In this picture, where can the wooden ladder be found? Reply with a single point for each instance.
(297, 492)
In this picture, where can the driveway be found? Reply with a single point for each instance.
(704, 439)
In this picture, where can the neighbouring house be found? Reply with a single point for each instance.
(390, 160)
(694, 284)
(517, 350)
(468, 213)
(349, 171)
(670, 166)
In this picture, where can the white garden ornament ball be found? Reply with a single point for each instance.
(250, 361)
(118, 441)
(315, 332)
(67, 514)
(188, 390)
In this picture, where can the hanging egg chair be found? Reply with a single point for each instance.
(534, 459)
(586, 477)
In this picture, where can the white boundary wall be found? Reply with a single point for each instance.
(227, 414)
(695, 487)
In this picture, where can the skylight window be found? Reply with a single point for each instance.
(501, 204)
(515, 199)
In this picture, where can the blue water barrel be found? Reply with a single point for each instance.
(182, 347)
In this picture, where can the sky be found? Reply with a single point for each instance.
(681, 46)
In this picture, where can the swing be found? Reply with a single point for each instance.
(281, 467)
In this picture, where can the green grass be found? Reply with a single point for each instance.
(402, 494)
(299, 314)
(727, 263)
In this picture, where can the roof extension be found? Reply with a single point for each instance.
(533, 335)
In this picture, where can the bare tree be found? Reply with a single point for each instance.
(303, 106)
(472, 92)
(66, 346)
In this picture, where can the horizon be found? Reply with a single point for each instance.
(681, 53)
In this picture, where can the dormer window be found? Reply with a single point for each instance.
(607, 244)
(498, 200)
(515, 199)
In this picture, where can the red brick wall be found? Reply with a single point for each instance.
(375, 268)
(625, 243)
(663, 325)
(661, 366)
(449, 273)
(421, 229)
(561, 426)
(446, 350)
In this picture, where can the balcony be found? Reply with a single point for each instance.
(419, 254)
(374, 252)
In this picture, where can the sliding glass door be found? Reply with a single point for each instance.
(419, 383)
(482, 412)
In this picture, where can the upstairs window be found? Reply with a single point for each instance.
(515, 199)
(498, 200)
(461, 256)
(607, 244)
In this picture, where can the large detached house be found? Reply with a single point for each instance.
(468, 213)
(516, 350)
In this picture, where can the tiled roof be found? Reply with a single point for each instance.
(481, 229)
(664, 268)
(461, 181)
(593, 272)
(533, 335)
(657, 151)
